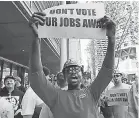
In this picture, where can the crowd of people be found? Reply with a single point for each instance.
(70, 93)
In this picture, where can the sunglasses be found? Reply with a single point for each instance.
(73, 69)
(117, 75)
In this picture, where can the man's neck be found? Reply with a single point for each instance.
(72, 87)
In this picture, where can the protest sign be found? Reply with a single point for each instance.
(118, 97)
(73, 21)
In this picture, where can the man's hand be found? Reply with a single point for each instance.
(38, 18)
(109, 25)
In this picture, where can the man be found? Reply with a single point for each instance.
(104, 108)
(18, 84)
(86, 79)
(117, 111)
(61, 82)
(74, 103)
(118, 82)
(13, 95)
(32, 104)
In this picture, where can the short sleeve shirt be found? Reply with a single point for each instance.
(30, 101)
(119, 111)
(73, 104)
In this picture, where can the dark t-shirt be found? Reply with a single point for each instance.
(15, 98)
(72, 103)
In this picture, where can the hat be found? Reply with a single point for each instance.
(9, 76)
(71, 62)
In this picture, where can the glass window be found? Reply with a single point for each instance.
(14, 70)
(6, 69)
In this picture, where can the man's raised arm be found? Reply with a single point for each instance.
(105, 74)
(39, 83)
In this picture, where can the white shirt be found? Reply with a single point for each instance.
(122, 86)
(6, 109)
(119, 111)
(30, 101)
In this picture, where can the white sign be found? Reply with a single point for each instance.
(74, 21)
(118, 97)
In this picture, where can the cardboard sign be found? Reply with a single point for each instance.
(74, 21)
(118, 97)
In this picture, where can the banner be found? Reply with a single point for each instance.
(74, 21)
(118, 97)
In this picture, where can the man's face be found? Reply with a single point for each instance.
(86, 81)
(60, 79)
(17, 83)
(9, 83)
(117, 78)
(73, 75)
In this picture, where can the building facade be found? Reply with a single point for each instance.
(74, 49)
(16, 37)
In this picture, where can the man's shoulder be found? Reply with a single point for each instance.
(3, 91)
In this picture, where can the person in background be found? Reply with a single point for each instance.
(116, 111)
(133, 108)
(18, 84)
(12, 95)
(124, 80)
(75, 102)
(118, 82)
(52, 76)
(61, 82)
(32, 105)
(105, 110)
(86, 79)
